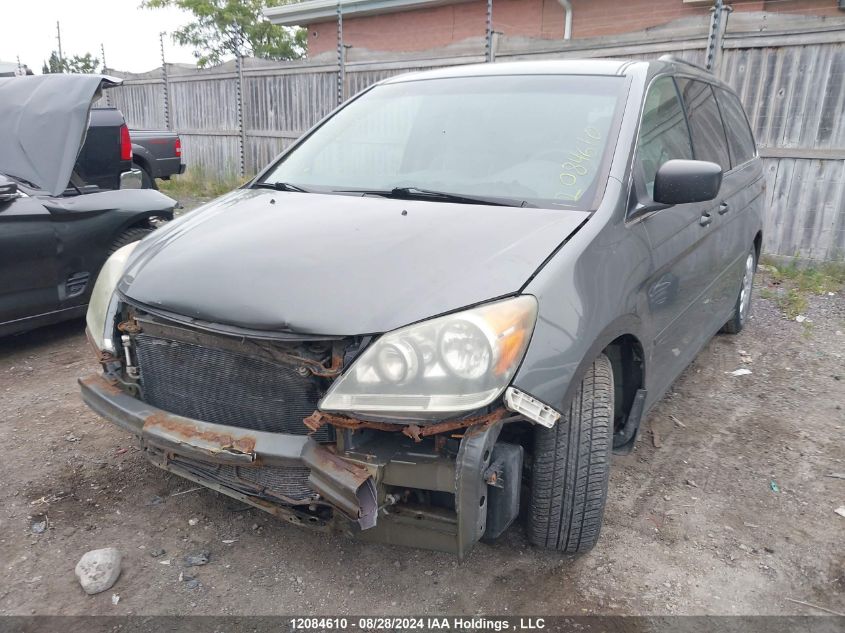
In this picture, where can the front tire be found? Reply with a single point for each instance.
(743, 302)
(572, 465)
(128, 236)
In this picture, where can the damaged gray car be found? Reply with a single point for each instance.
(447, 303)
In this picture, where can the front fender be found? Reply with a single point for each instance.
(589, 294)
(125, 201)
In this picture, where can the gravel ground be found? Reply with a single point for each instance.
(725, 507)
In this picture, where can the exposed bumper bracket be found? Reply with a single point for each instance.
(346, 486)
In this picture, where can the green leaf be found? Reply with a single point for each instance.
(227, 28)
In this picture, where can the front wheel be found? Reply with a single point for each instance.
(128, 236)
(571, 467)
(743, 300)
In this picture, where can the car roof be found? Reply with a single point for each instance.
(607, 67)
(546, 67)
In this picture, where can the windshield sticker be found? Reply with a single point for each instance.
(580, 164)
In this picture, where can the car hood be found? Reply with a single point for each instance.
(43, 121)
(336, 264)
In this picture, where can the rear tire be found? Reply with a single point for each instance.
(572, 465)
(743, 301)
(128, 236)
(147, 181)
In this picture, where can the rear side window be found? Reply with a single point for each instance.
(708, 134)
(663, 131)
(740, 140)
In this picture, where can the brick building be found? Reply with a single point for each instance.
(412, 25)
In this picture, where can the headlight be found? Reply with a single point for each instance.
(450, 364)
(101, 307)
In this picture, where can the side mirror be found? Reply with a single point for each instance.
(683, 181)
(8, 189)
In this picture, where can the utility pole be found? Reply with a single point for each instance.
(59, 38)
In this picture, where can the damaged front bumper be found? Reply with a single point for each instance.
(443, 492)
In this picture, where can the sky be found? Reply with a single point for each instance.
(129, 34)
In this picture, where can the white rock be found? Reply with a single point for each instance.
(98, 569)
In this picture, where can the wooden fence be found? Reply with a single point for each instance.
(789, 73)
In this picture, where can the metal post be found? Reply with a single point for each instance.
(20, 68)
(714, 37)
(166, 83)
(241, 130)
(103, 57)
(488, 40)
(341, 55)
(59, 38)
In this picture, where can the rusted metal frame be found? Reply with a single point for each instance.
(245, 346)
(102, 357)
(345, 485)
(99, 382)
(319, 418)
(130, 326)
(180, 431)
(217, 443)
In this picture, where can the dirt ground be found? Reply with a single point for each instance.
(725, 507)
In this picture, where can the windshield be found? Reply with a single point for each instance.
(539, 139)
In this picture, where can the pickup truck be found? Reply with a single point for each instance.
(107, 151)
(158, 154)
(111, 148)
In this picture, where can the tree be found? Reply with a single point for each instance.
(86, 64)
(223, 28)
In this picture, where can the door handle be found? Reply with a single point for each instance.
(724, 208)
(705, 219)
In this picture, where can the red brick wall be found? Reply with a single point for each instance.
(439, 26)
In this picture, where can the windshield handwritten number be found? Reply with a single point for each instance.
(579, 164)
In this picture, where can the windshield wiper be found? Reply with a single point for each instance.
(280, 186)
(416, 193)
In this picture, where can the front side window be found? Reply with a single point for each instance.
(663, 131)
(708, 133)
(740, 140)
(541, 139)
